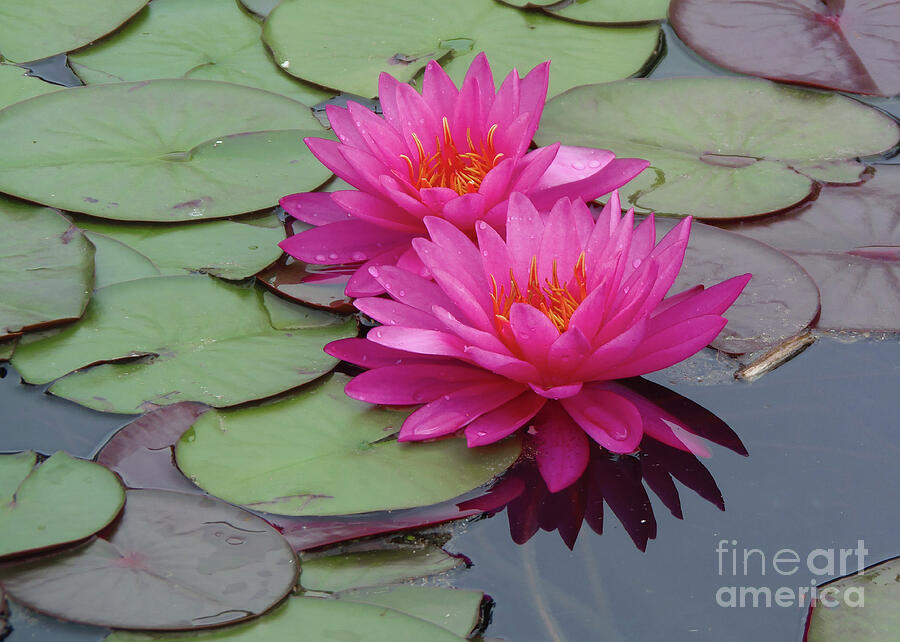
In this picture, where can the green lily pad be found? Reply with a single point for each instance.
(200, 339)
(42, 28)
(861, 607)
(234, 249)
(283, 457)
(62, 500)
(313, 619)
(611, 11)
(456, 610)
(159, 150)
(334, 573)
(718, 146)
(15, 85)
(204, 39)
(46, 268)
(321, 42)
(173, 562)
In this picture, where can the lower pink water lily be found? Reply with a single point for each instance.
(453, 153)
(525, 331)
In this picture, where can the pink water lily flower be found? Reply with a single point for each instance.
(525, 331)
(453, 153)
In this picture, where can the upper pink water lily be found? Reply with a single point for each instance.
(530, 329)
(453, 153)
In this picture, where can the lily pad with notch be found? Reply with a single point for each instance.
(851, 45)
(58, 501)
(173, 562)
(43, 28)
(200, 39)
(16, 85)
(282, 457)
(158, 150)
(717, 145)
(321, 42)
(46, 271)
(182, 338)
(848, 240)
(229, 249)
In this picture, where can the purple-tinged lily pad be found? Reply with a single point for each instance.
(848, 240)
(780, 300)
(321, 286)
(718, 147)
(173, 562)
(861, 607)
(46, 268)
(848, 45)
(142, 452)
(59, 501)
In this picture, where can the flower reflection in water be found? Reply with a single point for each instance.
(670, 450)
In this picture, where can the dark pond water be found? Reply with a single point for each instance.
(822, 474)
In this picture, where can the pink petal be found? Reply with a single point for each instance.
(438, 90)
(618, 172)
(559, 244)
(380, 138)
(362, 283)
(342, 242)
(412, 289)
(417, 118)
(436, 198)
(460, 250)
(612, 421)
(503, 420)
(329, 154)
(533, 95)
(557, 392)
(675, 299)
(390, 312)
(449, 413)
(411, 262)
(431, 342)
(387, 98)
(463, 211)
(505, 107)
(611, 354)
(504, 365)
(567, 352)
(584, 222)
(397, 192)
(414, 384)
(562, 450)
(471, 336)
(343, 126)
(532, 166)
(476, 307)
(698, 302)
(495, 186)
(573, 164)
(495, 257)
(534, 333)
(366, 354)
(669, 346)
(315, 208)
(524, 229)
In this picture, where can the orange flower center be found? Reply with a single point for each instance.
(557, 301)
(448, 167)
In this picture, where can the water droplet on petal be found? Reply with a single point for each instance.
(594, 164)
(578, 165)
(401, 293)
(320, 257)
(373, 271)
(332, 256)
(358, 256)
(636, 263)
(446, 397)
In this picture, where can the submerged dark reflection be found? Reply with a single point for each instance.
(620, 482)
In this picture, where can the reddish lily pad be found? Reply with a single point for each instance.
(848, 45)
(59, 501)
(321, 286)
(780, 300)
(848, 240)
(142, 452)
(173, 562)
(717, 146)
(46, 268)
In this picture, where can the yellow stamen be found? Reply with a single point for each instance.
(558, 301)
(462, 172)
